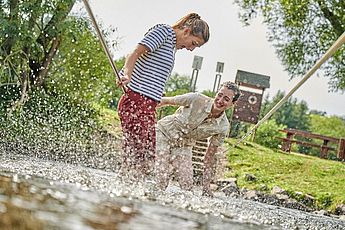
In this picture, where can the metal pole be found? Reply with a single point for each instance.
(102, 40)
(216, 83)
(336, 45)
(193, 80)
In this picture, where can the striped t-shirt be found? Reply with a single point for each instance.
(153, 68)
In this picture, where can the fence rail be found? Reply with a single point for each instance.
(324, 147)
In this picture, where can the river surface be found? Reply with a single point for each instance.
(43, 194)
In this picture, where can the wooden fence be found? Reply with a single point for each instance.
(324, 147)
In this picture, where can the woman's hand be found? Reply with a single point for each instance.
(124, 80)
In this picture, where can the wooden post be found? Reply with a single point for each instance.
(341, 149)
(253, 136)
(324, 149)
(286, 146)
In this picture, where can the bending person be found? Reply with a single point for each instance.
(198, 117)
(145, 74)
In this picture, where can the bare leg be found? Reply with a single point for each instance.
(162, 161)
(184, 168)
(162, 169)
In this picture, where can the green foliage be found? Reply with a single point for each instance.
(325, 199)
(42, 46)
(29, 36)
(54, 127)
(323, 179)
(292, 113)
(45, 118)
(8, 94)
(81, 69)
(238, 129)
(266, 133)
(299, 46)
(208, 93)
(332, 126)
(176, 85)
(109, 121)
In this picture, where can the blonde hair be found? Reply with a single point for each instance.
(198, 26)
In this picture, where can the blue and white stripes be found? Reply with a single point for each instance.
(152, 69)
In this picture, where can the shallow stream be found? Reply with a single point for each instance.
(42, 194)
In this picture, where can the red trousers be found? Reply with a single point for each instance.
(138, 119)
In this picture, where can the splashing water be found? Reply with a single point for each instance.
(86, 198)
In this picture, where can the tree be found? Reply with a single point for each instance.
(301, 32)
(176, 85)
(30, 36)
(332, 126)
(266, 134)
(81, 69)
(292, 113)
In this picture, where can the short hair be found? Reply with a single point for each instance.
(198, 26)
(234, 87)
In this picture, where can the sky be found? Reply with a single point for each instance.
(238, 47)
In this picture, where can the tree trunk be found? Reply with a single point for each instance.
(333, 19)
(24, 88)
(50, 39)
(47, 60)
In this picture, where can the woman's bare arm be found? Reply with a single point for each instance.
(165, 101)
(130, 62)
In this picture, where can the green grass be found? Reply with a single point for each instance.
(320, 178)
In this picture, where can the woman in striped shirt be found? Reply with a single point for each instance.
(144, 75)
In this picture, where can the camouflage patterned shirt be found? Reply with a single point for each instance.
(191, 121)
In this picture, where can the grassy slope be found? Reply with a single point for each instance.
(323, 179)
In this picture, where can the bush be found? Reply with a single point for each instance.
(266, 133)
(45, 122)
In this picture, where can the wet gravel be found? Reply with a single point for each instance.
(112, 185)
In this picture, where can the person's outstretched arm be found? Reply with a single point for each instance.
(179, 100)
(165, 101)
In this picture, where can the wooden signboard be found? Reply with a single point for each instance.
(252, 80)
(247, 108)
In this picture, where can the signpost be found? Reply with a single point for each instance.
(197, 62)
(219, 70)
